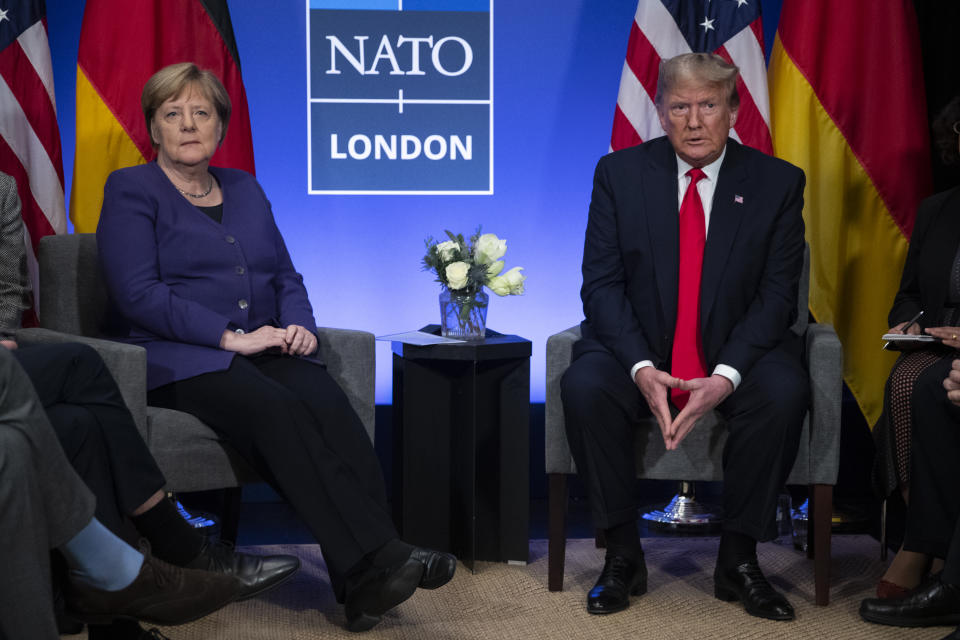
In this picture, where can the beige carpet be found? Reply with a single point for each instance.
(504, 602)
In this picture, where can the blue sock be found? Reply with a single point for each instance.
(100, 559)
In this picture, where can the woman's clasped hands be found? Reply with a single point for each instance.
(295, 340)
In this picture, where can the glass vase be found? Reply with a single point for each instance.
(463, 315)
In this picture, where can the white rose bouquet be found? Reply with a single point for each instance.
(464, 268)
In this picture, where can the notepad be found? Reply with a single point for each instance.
(418, 338)
(907, 337)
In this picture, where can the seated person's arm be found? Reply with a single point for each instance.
(906, 304)
(774, 306)
(295, 311)
(14, 281)
(129, 257)
(605, 302)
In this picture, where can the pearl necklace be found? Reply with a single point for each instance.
(197, 195)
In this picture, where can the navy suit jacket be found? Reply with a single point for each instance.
(751, 264)
(177, 279)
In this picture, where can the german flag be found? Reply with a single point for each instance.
(122, 44)
(847, 106)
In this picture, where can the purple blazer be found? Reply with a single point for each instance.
(177, 279)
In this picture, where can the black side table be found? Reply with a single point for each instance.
(461, 421)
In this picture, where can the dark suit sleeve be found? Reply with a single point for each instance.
(906, 303)
(129, 257)
(604, 294)
(773, 307)
(14, 283)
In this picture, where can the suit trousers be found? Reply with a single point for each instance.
(43, 505)
(764, 417)
(934, 506)
(95, 429)
(291, 422)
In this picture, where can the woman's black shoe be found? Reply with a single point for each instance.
(380, 590)
(438, 567)
(931, 604)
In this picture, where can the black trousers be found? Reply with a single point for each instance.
(934, 508)
(288, 418)
(95, 429)
(602, 407)
(951, 568)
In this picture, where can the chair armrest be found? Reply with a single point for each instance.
(825, 367)
(350, 360)
(559, 352)
(127, 364)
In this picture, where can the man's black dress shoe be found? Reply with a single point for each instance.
(621, 577)
(438, 567)
(953, 636)
(380, 590)
(932, 603)
(747, 584)
(257, 573)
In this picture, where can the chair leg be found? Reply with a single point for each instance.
(230, 521)
(556, 530)
(819, 522)
(883, 530)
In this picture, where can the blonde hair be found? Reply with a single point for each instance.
(706, 68)
(172, 81)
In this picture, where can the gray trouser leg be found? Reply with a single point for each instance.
(43, 501)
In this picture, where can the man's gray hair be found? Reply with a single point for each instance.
(705, 68)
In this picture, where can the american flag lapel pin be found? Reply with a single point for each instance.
(738, 199)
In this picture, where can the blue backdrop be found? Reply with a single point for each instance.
(557, 69)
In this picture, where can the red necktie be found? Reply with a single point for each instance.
(687, 357)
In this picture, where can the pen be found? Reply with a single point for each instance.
(912, 320)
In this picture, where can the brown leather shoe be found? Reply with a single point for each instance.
(161, 594)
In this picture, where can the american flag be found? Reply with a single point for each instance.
(29, 135)
(666, 28)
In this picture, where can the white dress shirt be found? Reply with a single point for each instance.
(705, 188)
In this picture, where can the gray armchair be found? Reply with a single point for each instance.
(699, 455)
(72, 303)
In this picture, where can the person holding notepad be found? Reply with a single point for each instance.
(927, 303)
(935, 524)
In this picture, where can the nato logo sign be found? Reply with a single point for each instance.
(400, 96)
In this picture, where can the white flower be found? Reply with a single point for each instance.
(447, 249)
(457, 274)
(490, 248)
(495, 268)
(515, 279)
(509, 284)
